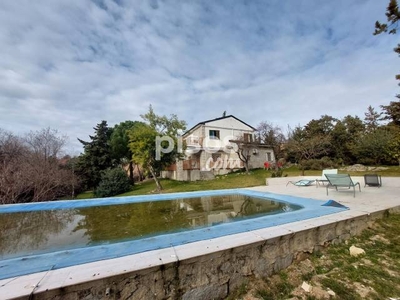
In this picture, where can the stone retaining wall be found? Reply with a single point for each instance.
(215, 275)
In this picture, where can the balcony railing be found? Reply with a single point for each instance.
(191, 164)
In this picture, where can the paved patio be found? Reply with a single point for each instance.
(370, 199)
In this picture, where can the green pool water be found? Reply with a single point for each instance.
(25, 233)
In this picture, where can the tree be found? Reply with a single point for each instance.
(340, 140)
(97, 155)
(354, 125)
(45, 143)
(113, 182)
(343, 138)
(163, 125)
(372, 119)
(272, 135)
(69, 163)
(322, 126)
(12, 168)
(243, 149)
(392, 112)
(30, 169)
(119, 143)
(144, 147)
(373, 148)
(393, 18)
(48, 179)
(305, 147)
(394, 145)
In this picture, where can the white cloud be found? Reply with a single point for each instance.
(70, 64)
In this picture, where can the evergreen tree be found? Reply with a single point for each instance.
(372, 119)
(322, 126)
(393, 18)
(392, 112)
(113, 182)
(97, 155)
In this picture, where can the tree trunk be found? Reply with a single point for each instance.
(245, 158)
(158, 184)
(141, 177)
(131, 172)
(246, 166)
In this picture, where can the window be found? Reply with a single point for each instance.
(248, 138)
(269, 156)
(214, 134)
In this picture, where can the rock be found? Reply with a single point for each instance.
(305, 286)
(375, 169)
(380, 239)
(356, 167)
(332, 293)
(355, 251)
(306, 266)
(362, 168)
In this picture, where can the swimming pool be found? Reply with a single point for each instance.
(26, 262)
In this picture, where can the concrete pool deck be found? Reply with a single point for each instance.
(210, 268)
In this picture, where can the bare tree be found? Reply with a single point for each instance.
(30, 169)
(12, 167)
(45, 143)
(243, 149)
(272, 135)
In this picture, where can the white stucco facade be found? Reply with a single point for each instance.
(210, 150)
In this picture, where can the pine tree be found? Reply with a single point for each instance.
(392, 111)
(372, 119)
(97, 155)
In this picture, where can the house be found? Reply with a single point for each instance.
(212, 148)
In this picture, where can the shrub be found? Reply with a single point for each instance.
(113, 182)
(318, 164)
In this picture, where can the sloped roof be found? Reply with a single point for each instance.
(217, 119)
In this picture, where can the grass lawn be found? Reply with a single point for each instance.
(229, 181)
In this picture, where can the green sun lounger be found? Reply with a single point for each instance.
(341, 180)
(303, 182)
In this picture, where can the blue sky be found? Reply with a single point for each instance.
(70, 64)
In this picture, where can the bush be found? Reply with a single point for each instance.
(318, 164)
(278, 173)
(113, 182)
